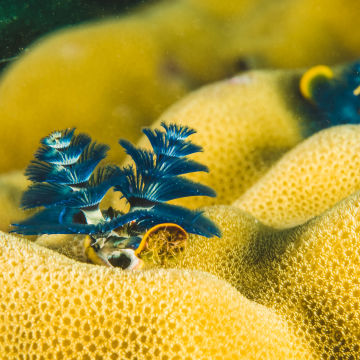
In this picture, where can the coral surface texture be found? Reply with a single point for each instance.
(225, 222)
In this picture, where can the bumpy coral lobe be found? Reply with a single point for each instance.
(90, 74)
(303, 35)
(308, 180)
(245, 246)
(56, 308)
(309, 274)
(319, 276)
(239, 143)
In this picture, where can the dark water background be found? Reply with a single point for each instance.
(24, 21)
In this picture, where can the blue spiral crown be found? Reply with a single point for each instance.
(68, 185)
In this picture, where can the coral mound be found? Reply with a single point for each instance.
(283, 280)
(308, 180)
(56, 308)
(315, 282)
(242, 135)
(122, 72)
(309, 274)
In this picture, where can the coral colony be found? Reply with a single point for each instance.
(69, 188)
(334, 96)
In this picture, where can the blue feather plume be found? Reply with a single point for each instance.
(194, 222)
(172, 166)
(65, 156)
(147, 164)
(135, 188)
(45, 194)
(69, 190)
(163, 145)
(99, 184)
(54, 220)
(58, 139)
(59, 220)
(79, 172)
(144, 160)
(177, 132)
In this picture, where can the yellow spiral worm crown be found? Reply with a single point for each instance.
(310, 76)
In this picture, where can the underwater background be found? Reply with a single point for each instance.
(239, 243)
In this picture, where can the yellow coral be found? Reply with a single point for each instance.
(108, 78)
(56, 308)
(309, 179)
(242, 135)
(70, 245)
(225, 9)
(52, 307)
(302, 35)
(245, 246)
(309, 274)
(12, 185)
(315, 282)
(113, 76)
(97, 76)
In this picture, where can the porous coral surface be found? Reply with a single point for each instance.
(307, 180)
(284, 276)
(56, 308)
(309, 274)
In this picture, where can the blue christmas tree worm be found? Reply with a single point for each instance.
(68, 185)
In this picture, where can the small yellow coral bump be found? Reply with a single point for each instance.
(356, 92)
(243, 125)
(307, 180)
(316, 72)
(70, 245)
(53, 307)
